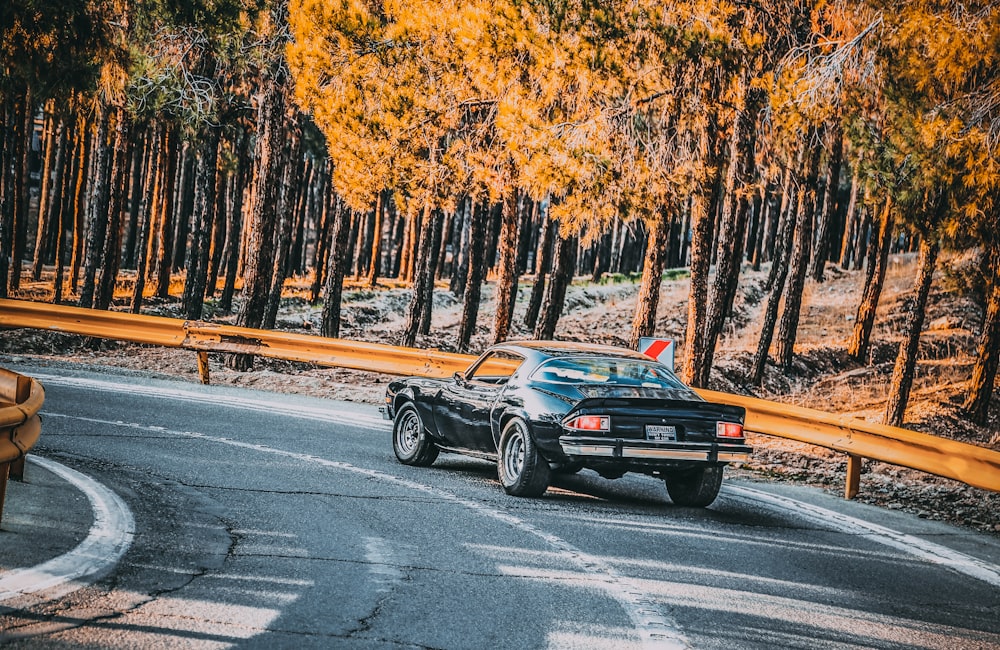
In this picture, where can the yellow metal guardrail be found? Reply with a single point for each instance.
(20, 400)
(976, 466)
(212, 337)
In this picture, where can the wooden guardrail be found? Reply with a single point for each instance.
(20, 400)
(976, 466)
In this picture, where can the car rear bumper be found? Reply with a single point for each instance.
(625, 449)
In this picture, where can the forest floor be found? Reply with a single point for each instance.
(822, 377)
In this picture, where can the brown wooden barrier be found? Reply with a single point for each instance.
(20, 400)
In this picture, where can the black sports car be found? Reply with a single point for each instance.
(538, 407)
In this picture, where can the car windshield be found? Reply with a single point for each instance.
(607, 371)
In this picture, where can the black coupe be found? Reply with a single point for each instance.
(538, 407)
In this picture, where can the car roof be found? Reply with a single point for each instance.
(568, 349)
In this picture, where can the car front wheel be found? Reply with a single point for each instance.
(522, 470)
(410, 441)
(695, 488)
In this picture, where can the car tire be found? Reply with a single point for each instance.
(695, 488)
(522, 470)
(409, 438)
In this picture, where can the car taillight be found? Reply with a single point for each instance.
(729, 430)
(590, 423)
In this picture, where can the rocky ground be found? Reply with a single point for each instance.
(822, 376)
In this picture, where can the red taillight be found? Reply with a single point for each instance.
(590, 423)
(729, 430)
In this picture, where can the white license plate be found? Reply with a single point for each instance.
(661, 432)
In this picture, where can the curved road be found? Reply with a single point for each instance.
(275, 521)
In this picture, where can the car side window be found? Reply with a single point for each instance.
(495, 368)
(618, 372)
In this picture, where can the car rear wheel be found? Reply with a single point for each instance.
(522, 470)
(695, 488)
(409, 439)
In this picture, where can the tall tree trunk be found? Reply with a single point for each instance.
(829, 209)
(555, 292)
(121, 159)
(202, 219)
(860, 341)
(46, 196)
(543, 262)
(22, 191)
(81, 165)
(293, 167)
(220, 229)
(336, 267)
(267, 175)
(7, 191)
(302, 191)
(506, 289)
(432, 264)
(166, 214)
(474, 280)
(851, 227)
(135, 179)
(323, 232)
(906, 359)
(984, 372)
(423, 281)
(144, 218)
(374, 262)
(780, 262)
(6, 218)
(80, 174)
(644, 319)
(236, 224)
(463, 229)
(789, 324)
(63, 205)
(732, 232)
(411, 234)
(702, 225)
(184, 200)
(97, 207)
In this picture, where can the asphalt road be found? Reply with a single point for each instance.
(248, 519)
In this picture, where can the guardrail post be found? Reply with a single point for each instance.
(853, 476)
(17, 469)
(203, 366)
(22, 392)
(4, 470)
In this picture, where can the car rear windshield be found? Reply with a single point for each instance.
(607, 371)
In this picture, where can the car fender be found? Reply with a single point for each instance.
(422, 399)
(544, 433)
(501, 415)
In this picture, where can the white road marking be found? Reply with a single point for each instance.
(275, 406)
(107, 541)
(652, 624)
(383, 563)
(921, 548)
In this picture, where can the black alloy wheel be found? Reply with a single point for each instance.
(522, 470)
(409, 439)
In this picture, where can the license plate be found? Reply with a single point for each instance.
(661, 432)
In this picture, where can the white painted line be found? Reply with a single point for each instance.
(109, 538)
(264, 404)
(910, 544)
(652, 624)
